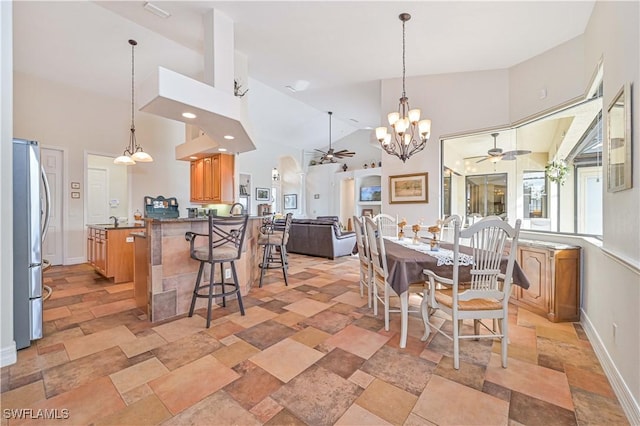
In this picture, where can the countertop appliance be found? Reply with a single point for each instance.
(29, 230)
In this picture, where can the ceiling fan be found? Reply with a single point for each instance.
(331, 155)
(496, 154)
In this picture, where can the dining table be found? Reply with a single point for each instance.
(406, 261)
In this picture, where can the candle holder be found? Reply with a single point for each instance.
(435, 231)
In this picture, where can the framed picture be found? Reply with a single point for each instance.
(290, 201)
(411, 188)
(263, 194)
(367, 212)
(619, 141)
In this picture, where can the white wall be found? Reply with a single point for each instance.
(79, 122)
(7, 344)
(455, 103)
(612, 34)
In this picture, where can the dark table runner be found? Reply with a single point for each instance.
(405, 267)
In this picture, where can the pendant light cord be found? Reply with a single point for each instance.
(330, 113)
(404, 92)
(133, 44)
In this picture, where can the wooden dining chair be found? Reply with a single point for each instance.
(382, 290)
(388, 224)
(486, 296)
(366, 267)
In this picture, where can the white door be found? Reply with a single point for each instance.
(51, 161)
(589, 203)
(97, 195)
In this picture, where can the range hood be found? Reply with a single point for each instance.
(220, 115)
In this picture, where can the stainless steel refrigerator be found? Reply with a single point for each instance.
(30, 219)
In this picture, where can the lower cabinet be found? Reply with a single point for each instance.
(553, 271)
(110, 252)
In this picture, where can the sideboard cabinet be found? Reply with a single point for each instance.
(553, 271)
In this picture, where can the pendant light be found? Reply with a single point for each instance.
(133, 152)
(409, 133)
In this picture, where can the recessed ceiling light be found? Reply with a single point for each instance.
(222, 149)
(229, 137)
(156, 10)
(189, 115)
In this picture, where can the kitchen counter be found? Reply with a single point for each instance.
(107, 226)
(194, 219)
(172, 273)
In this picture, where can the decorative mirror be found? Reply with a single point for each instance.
(619, 141)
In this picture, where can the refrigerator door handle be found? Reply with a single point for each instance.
(47, 203)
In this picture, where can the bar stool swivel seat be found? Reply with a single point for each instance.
(224, 245)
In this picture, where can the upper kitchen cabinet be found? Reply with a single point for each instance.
(212, 179)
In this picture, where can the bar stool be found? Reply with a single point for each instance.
(273, 236)
(226, 237)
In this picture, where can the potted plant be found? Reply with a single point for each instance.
(557, 171)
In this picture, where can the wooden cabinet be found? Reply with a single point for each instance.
(110, 252)
(212, 179)
(553, 271)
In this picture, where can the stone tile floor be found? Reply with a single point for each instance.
(311, 353)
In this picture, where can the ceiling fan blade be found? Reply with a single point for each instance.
(518, 152)
(482, 159)
(319, 150)
(509, 157)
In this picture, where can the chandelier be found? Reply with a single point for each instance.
(409, 133)
(133, 152)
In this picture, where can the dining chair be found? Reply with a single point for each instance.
(447, 228)
(388, 224)
(366, 267)
(224, 245)
(486, 296)
(381, 279)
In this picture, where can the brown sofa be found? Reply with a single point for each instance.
(320, 237)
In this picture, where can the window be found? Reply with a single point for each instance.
(534, 189)
(506, 175)
(486, 195)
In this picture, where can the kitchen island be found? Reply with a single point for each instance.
(110, 250)
(172, 273)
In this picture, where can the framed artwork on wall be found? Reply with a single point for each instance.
(263, 194)
(412, 188)
(367, 212)
(290, 201)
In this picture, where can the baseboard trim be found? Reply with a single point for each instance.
(74, 260)
(8, 355)
(629, 404)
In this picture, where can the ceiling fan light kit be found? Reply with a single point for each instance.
(331, 155)
(496, 154)
(409, 134)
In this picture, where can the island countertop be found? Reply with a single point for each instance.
(172, 271)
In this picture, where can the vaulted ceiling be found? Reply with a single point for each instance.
(342, 49)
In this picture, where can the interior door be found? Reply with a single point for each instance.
(98, 199)
(51, 162)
